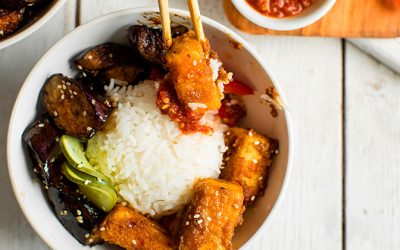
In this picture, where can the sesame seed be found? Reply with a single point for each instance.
(68, 83)
(89, 128)
(75, 93)
(209, 218)
(252, 198)
(134, 242)
(79, 219)
(64, 87)
(257, 142)
(276, 151)
(130, 225)
(194, 63)
(84, 74)
(90, 240)
(260, 178)
(62, 97)
(87, 182)
(165, 106)
(35, 170)
(196, 216)
(71, 96)
(87, 236)
(110, 55)
(90, 57)
(55, 113)
(57, 139)
(93, 101)
(124, 203)
(199, 221)
(78, 212)
(52, 159)
(62, 91)
(102, 229)
(226, 147)
(79, 67)
(187, 223)
(250, 133)
(255, 161)
(236, 206)
(216, 193)
(219, 214)
(113, 169)
(228, 133)
(59, 86)
(70, 91)
(40, 125)
(84, 113)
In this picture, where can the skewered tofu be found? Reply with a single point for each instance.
(128, 229)
(210, 219)
(247, 159)
(191, 74)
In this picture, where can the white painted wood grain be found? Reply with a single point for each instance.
(385, 50)
(373, 158)
(15, 64)
(310, 215)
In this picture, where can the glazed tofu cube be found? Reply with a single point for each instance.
(129, 229)
(247, 159)
(211, 217)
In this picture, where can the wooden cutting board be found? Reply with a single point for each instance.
(348, 18)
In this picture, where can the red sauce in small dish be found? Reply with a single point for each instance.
(280, 8)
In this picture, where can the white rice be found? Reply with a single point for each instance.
(152, 164)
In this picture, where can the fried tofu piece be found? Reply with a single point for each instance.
(210, 219)
(10, 20)
(191, 74)
(247, 160)
(129, 229)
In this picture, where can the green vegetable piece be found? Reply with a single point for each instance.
(96, 190)
(73, 150)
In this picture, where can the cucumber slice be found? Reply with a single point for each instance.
(96, 190)
(73, 150)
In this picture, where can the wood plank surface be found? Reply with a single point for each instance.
(348, 18)
(373, 146)
(16, 63)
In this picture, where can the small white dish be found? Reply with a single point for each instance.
(309, 16)
(246, 65)
(47, 13)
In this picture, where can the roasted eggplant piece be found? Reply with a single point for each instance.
(75, 109)
(10, 21)
(149, 42)
(109, 61)
(42, 139)
(77, 214)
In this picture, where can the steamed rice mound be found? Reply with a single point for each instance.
(152, 164)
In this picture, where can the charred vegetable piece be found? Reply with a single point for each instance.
(42, 139)
(104, 56)
(76, 110)
(10, 20)
(128, 229)
(78, 215)
(74, 152)
(212, 215)
(232, 110)
(110, 61)
(96, 190)
(149, 42)
(247, 160)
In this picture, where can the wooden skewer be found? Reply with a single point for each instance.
(166, 22)
(195, 15)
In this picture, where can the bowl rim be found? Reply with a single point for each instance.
(11, 134)
(34, 26)
(283, 24)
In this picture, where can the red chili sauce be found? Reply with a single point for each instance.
(280, 8)
(187, 120)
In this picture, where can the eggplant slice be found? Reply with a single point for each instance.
(10, 21)
(110, 61)
(149, 43)
(78, 215)
(75, 109)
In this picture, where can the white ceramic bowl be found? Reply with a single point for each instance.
(43, 17)
(246, 65)
(310, 15)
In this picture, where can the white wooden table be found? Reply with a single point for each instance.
(344, 191)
